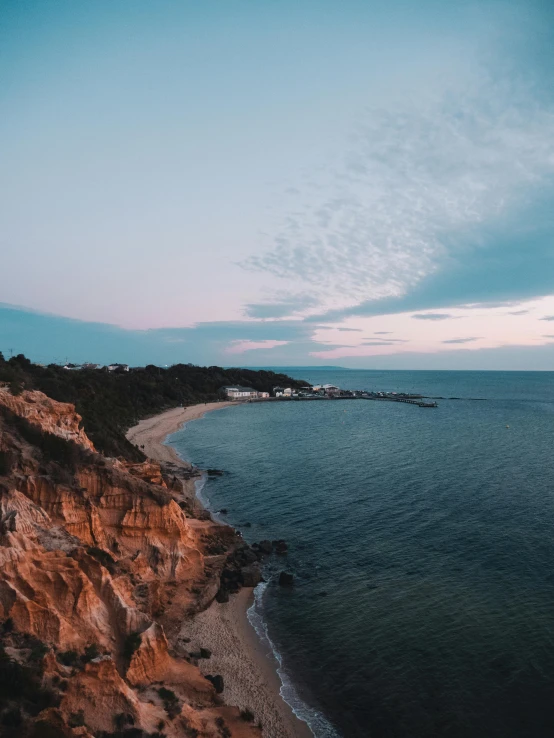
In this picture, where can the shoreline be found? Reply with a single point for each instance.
(248, 668)
(151, 433)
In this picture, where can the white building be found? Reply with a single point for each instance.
(240, 393)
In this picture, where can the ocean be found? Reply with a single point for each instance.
(421, 542)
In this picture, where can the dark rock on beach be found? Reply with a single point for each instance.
(251, 575)
(222, 595)
(217, 681)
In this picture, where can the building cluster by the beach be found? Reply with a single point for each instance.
(236, 392)
(319, 392)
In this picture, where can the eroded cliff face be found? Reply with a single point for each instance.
(100, 562)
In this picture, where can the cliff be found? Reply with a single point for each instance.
(100, 562)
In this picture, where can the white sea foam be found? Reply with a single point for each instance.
(318, 724)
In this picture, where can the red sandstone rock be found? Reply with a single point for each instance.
(97, 557)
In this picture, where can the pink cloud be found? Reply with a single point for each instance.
(239, 347)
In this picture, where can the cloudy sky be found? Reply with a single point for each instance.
(364, 183)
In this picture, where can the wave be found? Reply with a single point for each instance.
(318, 724)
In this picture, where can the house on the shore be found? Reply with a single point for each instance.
(240, 393)
(118, 367)
(330, 389)
(282, 391)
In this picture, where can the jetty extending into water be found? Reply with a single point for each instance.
(420, 401)
(408, 401)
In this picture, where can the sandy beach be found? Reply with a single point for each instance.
(249, 669)
(151, 433)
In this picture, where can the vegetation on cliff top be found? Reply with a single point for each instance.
(111, 402)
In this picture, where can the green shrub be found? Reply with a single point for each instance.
(22, 684)
(38, 649)
(5, 463)
(16, 388)
(91, 652)
(68, 658)
(170, 700)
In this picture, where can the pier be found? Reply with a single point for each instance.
(420, 402)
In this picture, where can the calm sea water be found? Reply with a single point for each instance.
(422, 542)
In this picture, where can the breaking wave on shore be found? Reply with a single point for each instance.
(318, 724)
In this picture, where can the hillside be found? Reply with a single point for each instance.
(109, 402)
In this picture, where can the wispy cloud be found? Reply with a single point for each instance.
(239, 347)
(432, 316)
(282, 305)
(425, 191)
(547, 317)
(382, 333)
(461, 340)
(519, 312)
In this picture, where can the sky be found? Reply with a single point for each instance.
(296, 182)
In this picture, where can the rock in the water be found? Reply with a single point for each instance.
(286, 579)
(264, 546)
(223, 511)
(280, 546)
(217, 681)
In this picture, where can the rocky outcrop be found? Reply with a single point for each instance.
(58, 418)
(99, 564)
